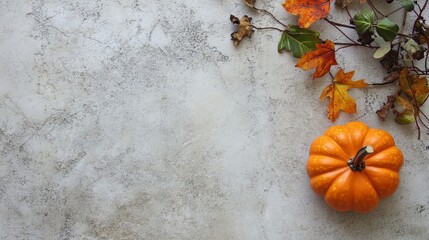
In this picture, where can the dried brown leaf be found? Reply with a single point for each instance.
(421, 34)
(382, 112)
(393, 76)
(390, 60)
(244, 29)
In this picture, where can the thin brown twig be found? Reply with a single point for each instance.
(426, 59)
(418, 5)
(383, 83)
(416, 114)
(392, 12)
(266, 28)
(341, 31)
(339, 24)
(422, 122)
(272, 15)
(353, 45)
(347, 10)
(424, 115)
(375, 9)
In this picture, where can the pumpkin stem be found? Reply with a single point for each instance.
(357, 163)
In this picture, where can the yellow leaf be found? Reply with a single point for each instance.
(340, 100)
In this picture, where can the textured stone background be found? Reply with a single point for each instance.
(138, 119)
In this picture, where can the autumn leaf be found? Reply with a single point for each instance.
(340, 100)
(416, 87)
(309, 11)
(421, 32)
(322, 59)
(382, 112)
(244, 29)
(406, 116)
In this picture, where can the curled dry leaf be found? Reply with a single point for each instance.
(244, 29)
(421, 32)
(382, 112)
(366, 38)
(392, 76)
(340, 99)
(322, 59)
(390, 60)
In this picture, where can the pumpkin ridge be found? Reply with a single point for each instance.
(379, 139)
(321, 191)
(329, 191)
(357, 139)
(387, 190)
(372, 183)
(394, 166)
(320, 164)
(333, 158)
(342, 136)
(333, 170)
(338, 146)
(356, 188)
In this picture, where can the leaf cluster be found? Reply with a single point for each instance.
(399, 53)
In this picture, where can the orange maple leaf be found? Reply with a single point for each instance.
(309, 11)
(322, 59)
(339, 97)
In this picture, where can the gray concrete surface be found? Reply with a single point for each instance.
(140, 120)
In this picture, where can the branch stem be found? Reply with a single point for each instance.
(272, 15)
(267, 28)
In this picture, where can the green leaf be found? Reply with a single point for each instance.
(298, 40)
(387, 29)
(407, 4)
(363, 21)
(384, 48)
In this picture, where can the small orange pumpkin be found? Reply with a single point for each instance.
(354, 166)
